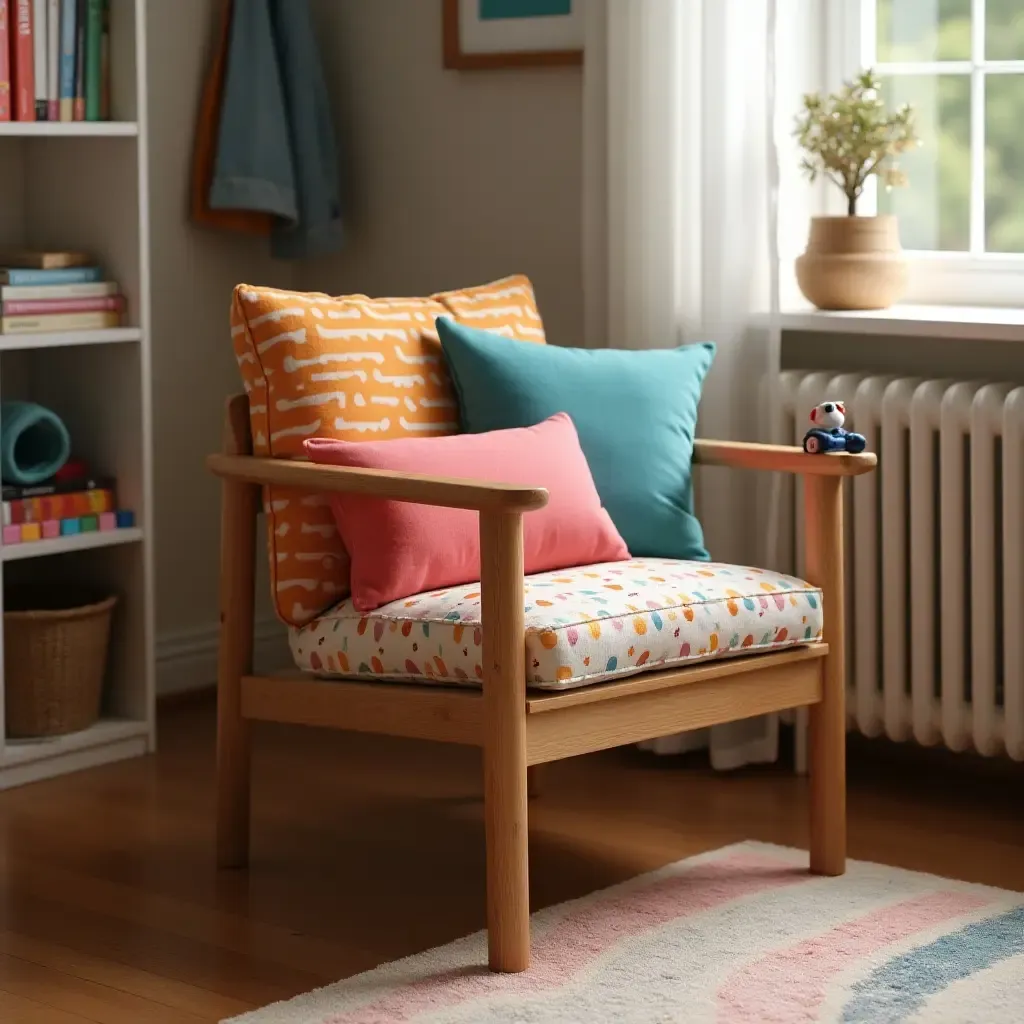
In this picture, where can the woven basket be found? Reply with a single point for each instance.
(55, 657)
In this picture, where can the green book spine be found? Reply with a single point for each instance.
(93, 59)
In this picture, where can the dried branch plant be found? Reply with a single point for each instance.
(849, 135)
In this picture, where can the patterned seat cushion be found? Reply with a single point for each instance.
(583, 626)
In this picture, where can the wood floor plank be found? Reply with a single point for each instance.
(367, 849)
(26, 1011)
(199, 1002)
(99, 1003)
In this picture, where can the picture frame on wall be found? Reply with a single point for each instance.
(480, 34)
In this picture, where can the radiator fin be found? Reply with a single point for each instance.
(935, 548)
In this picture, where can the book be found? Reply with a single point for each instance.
(105, 64)
(21, 293)
(39, 260)
(15, 492)
(63, 275)
(23, 60)
(68, 10)
(57, 322)
(79, 107)
(5, 60)
(39, 57)
(33, 307)
(52, 60)
(93, 59)
(58, 506)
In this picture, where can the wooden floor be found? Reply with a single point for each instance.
(366, 850)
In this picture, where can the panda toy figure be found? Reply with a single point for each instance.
(827, 434)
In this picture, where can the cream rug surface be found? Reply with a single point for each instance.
(743, 935)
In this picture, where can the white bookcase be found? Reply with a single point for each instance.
(85, 186)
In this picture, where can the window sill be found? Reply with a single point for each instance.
(954, 323)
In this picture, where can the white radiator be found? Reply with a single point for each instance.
(935, 554)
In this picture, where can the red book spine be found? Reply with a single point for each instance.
(30, 307)
(24, 62)
(5, 61)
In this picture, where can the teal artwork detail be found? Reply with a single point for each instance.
(500, 10)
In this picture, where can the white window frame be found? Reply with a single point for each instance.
(942, 278)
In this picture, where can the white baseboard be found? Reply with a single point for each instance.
(188, 661)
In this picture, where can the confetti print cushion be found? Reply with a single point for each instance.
(635, 413)
(399, 548)
(352, 368)
(583, 626)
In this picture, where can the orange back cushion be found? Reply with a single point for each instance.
(351, 368)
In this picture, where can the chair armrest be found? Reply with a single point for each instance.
(377, 483)
(781, 458)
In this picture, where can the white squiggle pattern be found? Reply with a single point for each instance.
(323, 398)
(398, 380)
(363, 426)
(447, 428)
(359, 375)
(414, 360)
(361, 333)
(276, 314)
(301, 430)
(297, 337)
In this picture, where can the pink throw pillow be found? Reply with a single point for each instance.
(399, 548)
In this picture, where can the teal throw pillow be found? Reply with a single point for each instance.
(635, 413)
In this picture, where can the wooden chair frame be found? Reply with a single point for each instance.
(515, 728)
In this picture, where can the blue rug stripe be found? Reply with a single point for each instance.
(897, 989)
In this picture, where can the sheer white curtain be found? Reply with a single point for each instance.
(681, 175)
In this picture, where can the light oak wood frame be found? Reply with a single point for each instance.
(516, 729)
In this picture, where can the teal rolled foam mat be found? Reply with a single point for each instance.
(34, 443)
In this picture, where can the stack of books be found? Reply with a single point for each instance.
(55, 291)
(54, 60)
(61, 508)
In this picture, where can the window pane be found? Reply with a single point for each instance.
(935, 206)
(1004, 30)
(1004, 158)
(916, 30)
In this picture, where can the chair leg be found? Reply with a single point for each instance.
(505, 769)
(827, 741)
(823, 519)
(239, 509)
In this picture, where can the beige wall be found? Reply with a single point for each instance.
(452, 179)
(193, 272)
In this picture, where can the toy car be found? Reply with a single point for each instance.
(827, 434)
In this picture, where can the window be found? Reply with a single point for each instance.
(961, 64)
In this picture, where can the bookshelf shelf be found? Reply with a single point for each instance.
(83, 186)
(75, 542)
(69, 129)
(113, 336)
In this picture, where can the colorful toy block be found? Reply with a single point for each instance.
(48, 529)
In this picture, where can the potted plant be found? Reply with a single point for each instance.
(854, 262)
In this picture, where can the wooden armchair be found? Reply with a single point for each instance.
(515, 728)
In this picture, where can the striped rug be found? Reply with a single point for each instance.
(742, 935)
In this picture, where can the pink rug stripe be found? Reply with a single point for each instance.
(593, 930)
(790, 985)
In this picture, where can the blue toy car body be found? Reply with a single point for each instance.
(818, 441)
